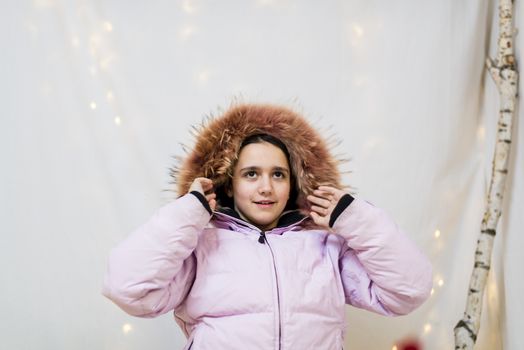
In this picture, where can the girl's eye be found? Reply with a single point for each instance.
(279, 174)
(251, 174)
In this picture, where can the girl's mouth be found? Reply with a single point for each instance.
(264, 203)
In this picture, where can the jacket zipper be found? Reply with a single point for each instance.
(261, 240)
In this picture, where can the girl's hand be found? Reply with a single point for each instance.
(205, 186)
(324, 200)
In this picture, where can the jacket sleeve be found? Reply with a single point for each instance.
(151, 271)
(382, 270)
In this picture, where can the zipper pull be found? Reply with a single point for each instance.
(262, 237)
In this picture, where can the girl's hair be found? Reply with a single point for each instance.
(226, 201)
(258, 138)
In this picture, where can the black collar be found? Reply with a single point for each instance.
(286, 219)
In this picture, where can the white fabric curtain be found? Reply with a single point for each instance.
(97, 96)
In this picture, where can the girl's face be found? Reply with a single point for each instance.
(261, 184)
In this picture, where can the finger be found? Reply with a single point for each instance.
(320, 210)
(317, 219)
(213, 204)
(196, 186)
(327, 188)
(335, 192)
(206, 183)
(211, 196)
(323, 194)
(319, 201)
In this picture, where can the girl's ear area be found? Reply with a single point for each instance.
(228, 189)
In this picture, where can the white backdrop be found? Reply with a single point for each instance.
(97, 95)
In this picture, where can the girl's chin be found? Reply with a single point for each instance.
(264, 223)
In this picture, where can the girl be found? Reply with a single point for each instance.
(262, 250)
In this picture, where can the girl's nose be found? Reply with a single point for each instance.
(266, 187)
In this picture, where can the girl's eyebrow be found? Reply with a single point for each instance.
(253, 168)
(284, 170)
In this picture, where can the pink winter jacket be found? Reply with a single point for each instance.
(232, 287)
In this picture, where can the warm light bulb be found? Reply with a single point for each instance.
(94, 39)
(126, 328)
(357, 29)
(432, 291)
(109, 95)
(44, 3)
(394, 347)
(188, 7)
(108, 26)
(372, 143)
(437, 233)
(440, 282)
(92, 105)
(94, 44)
(118, 121)
(104, 63)
(186, 32)
(427, 328)
(266, 2)
(481, 133)
(75, 42)
(359, 81)
(203, 76)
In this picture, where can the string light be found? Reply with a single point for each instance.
(394, 347)
(437, 233)
(481, 133)
(266, 2)
(186, 32)
(104, 63)
(75, 42)
(203, 76)
(440, 282)
(108, 26)
(94, 44)
(427, 328)
(492, 292)
(358, 82)
(32, 28)
(372, 143)
(103, 58)
(432, 291)
(43, 3)
(357, 30)
(188, 6)
(126, 328)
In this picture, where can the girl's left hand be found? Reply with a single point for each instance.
(324, 200)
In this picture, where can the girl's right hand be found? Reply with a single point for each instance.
(205, 185)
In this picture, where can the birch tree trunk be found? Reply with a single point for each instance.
(503, 70)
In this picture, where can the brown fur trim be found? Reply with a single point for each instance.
(218, 140)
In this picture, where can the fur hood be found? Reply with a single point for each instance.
(218, 140)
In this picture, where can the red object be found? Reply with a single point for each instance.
(409, 344)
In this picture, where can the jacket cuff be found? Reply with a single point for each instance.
(342, 204)
(202, 200)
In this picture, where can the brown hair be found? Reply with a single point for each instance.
(219, 139)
